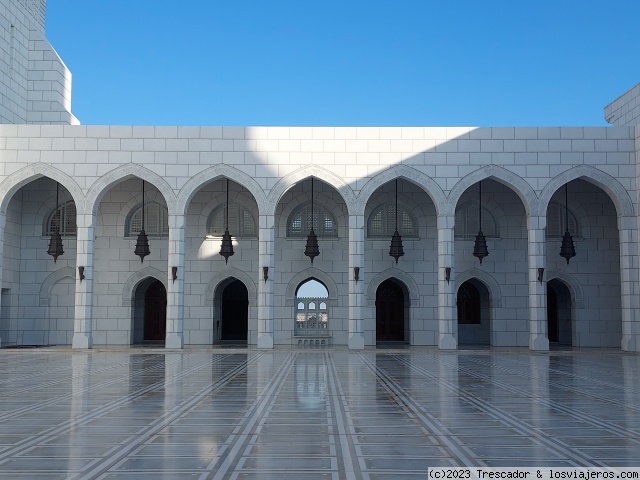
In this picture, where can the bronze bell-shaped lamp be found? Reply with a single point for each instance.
(480, 249)
(55, 243)
(312, 250)
(396, 250)
(567, 249)
(226, 247)
(142, 245)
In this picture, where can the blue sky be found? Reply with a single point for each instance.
(346, 62)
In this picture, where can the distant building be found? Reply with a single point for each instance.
(98, 292)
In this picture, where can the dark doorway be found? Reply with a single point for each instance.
(468, 303)
(155, 312)
(559, 311)
(474, 316)
(234, 312)
(389, 312)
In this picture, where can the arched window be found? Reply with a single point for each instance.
(382, 221)
(63, 217)
(241, 222)
(556, 221)
(299, 222)
(467, 225)
(156, 220)
(312, 313)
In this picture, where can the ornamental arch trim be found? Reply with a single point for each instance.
(403, 172)
(501, 175)
(135, 278)
(610, 185)
(396, 274)
(307, 274)
(486, 279)
(195, 183)
(14, 182)
(51, 280)
(577, 295)
(330, 178)
(122, 173)
(221, 276)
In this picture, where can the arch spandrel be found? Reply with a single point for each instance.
(404, 172)
(195, 183)
(306, 274)
(610, 185)
(229, 272)
(14, 182)
(128, 291)
(486, 279)
(330, 178)
(501, 175)
(125, 172)
(392, 273)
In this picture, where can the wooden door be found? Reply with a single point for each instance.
(389, 312)
(155, 312)
(552, 314)
(234, 313)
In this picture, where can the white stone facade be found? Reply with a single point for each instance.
(523, 172)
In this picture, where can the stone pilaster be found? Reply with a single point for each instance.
(447, 317)
(538, 339)
(356, 288)
(175, 290)
(629, 286)
(266, 255)
(83, 318)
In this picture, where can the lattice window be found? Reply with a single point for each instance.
(556, 221)
(312, 317)
(300, 221)
(241, 222)
(64, 217)
(467, 225)
(382, 221)
(156, 220)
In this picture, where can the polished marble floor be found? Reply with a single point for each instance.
(313, 414)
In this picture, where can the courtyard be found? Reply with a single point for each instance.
(386, 413)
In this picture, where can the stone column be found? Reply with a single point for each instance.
(83, 318)
(356, 289)
(175, 292)
(538, 339)
(447, 313)
(629, 286)
(266, 256)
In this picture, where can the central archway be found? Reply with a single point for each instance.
(390, 307)
(234, 313)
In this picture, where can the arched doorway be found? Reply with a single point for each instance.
(155, 312)
(234, 313)
(559, 313)
(473, 313)
(390, 305)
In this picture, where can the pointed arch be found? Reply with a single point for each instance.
(404, 172)
(396, 274)
(191, 187)
(51, 280)
(229, 272)
(128, 291)
(285, 183)
(10, 185)
(571, 283)
(124, 172)
(486, 279)
(509, 179)
(306, 274)
(613, 188)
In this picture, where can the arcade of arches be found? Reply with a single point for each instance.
(206, 301)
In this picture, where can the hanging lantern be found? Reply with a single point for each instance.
(55, 243)
(480, 249)
(567, 250)
(226, 247)
(312, 249)
(142, 245)
(396, 250)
